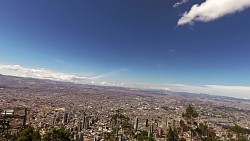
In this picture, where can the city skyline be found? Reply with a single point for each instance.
(170, 45)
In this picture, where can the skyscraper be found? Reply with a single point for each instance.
(136, 124)
(65, 118)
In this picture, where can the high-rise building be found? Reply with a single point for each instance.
(53, 122)
(80, 126)
(86, 125)
(120, 138)
(146, 123)
(136, 124)
(65, 118)
(159, 132)
(151, 128)
(83, 120)
(76, 137)
(80, 138)
(40, 125)
(117, 123)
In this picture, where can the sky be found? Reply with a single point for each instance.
(199, 46)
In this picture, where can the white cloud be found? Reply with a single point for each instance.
(17, 70)
(232, 91)
(102, 75)
(212, 10)
(171, 50)
(20, 71)
(104, 83)
(180, 3)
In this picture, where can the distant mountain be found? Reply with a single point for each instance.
(20, 82)
(197, 95)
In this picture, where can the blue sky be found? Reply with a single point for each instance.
(130, 41)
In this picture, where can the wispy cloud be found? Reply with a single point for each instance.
(109, 74)
(180, 3)
(212, 10)
(171, 50)
(232, 91)
(101, 76)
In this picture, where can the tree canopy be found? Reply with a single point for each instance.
(172, 134)
(190, 113)
(57, 135)
(29, 134)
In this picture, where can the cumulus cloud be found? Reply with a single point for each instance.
(212, 10)
(17, 70)
(20, 71)
(180, 3)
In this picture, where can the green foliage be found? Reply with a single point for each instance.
(209, 139)
(184, 126)
(29, 134)
(190, 113)
(57, 135)
(139, 137)
(182, 139)
(128, 129)
(150, 138)
(109, 137)
(239, 131)
(243, 139)
(143, 136)
(201, 129)
(172, 134)
(124, 124)
(121, 117)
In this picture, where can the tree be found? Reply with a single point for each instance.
(109, 137)
(29, 134)
(57, 135)
(139, 137)
(143, 136)
(239, 131)
(190, 113)
(202, 130)
(182, 139)
(172, 134)
(123, 123)
(183, 126)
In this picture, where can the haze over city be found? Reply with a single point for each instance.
(197, 46)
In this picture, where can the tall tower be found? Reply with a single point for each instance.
(146, 123)
(80, 125)
(151, 128)
(80, 136)
(83, 121)
(167, 123)
(65, 118)
(86, 125)
(117, 123)
(136, 124)
(53, 120)
(76, 137)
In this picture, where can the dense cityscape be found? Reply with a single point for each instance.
(124, 70)
(99, 113)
